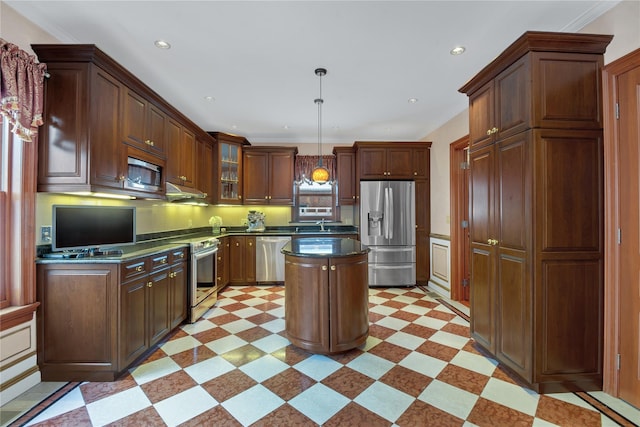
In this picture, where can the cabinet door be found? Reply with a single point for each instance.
(481, 220)
(400, 163)
(512, 98)
(348, 297)
(307, 302)
(481, 116)
(256, 177)
(205, 169)
(346, 169)
(513, 235)
(107, 153)
(158, 287)
(134, 118)
(229, 173)
(421, 166)
(223, 263)
(237, 273)
(178, 300)
(423, 226)
(156, 130)
(281, 178)
(188, 158)
(372, 163)
(76, 337)
(174, 144)
(250, 259)
(133, 323)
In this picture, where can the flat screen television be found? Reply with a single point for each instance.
(92, 227)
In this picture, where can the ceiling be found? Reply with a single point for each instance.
(256, 59)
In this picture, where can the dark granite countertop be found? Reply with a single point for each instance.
(322, 247)
(175, 240)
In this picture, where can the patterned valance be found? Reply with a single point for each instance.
(21, 90)
(306, 164)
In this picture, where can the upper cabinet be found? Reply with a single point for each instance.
(540, 89)
(346, 175)
(181, 159)
(268, 175)
(228, 167)
(96, 115)
(143, 124)
(391, 160)
(206, 159)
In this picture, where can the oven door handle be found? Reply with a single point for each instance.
(205, 253)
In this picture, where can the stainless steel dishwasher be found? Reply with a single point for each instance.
(269, 259)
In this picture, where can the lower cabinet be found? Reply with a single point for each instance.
(96, 319)
(242, 260)
(326, 302)
(222, 267)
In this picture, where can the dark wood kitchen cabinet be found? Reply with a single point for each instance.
(242, 260)
(97, 114)
(222, 266)
(228, 167)
(348, 185)
(144, 125)
(181, 159)
(205, 161)
(378, 160)
(536, 209)
(326, 308)
(268, 175)
(96, 319)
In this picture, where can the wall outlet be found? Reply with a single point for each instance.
(45, 233)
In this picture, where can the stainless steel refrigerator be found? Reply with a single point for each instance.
(388, 227)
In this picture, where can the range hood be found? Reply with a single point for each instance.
(179, 193)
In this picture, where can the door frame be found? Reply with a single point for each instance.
(458, 214)
(612, 201)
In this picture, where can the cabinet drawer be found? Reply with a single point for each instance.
(134, 268)
(159, 261)
(177, 255)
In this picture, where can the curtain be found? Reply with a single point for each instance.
(21, 90)
(306, 164)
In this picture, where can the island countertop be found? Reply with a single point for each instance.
(322, 247)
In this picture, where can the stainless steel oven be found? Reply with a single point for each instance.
(203, 292)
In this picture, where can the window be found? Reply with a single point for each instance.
(314, 202)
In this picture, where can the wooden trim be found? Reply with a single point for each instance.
(17, 315)
(612, 204)
(456, 156)
(440, 236)
(18, 360)
(15, 380)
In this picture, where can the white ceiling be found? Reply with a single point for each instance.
(257, 58)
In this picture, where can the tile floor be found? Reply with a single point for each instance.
(235, 367)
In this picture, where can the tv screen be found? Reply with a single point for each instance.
(86, 227)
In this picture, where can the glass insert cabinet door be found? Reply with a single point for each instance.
(230, 173)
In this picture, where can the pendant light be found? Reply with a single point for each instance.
(320, 174)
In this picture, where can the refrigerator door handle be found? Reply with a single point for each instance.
(386, 214)
(391, 208)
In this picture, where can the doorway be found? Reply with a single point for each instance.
(622, 242)
(459, 190)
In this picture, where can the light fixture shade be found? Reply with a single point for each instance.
(320, 175)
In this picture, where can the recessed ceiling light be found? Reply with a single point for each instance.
(458, 50)
(209, 98)
(412, 100)
(161, 44)
(285, 127)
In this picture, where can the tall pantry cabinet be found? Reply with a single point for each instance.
(536, 209)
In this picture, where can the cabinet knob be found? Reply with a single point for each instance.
(494, 130)
(333, 268)
(149, 284)
(239, 196)
(219, 258)
(139, 268)
(415, 173)
(149, 142)
(266, 197)
(163, 261)
(250, 243)
(324, 268)
(237, 244)
(121, 178)
(488, 132)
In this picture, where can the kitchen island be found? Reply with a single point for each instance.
(326, 294)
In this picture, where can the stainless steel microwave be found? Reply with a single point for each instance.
(143, 175)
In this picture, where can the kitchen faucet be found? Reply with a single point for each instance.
(321, 222)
